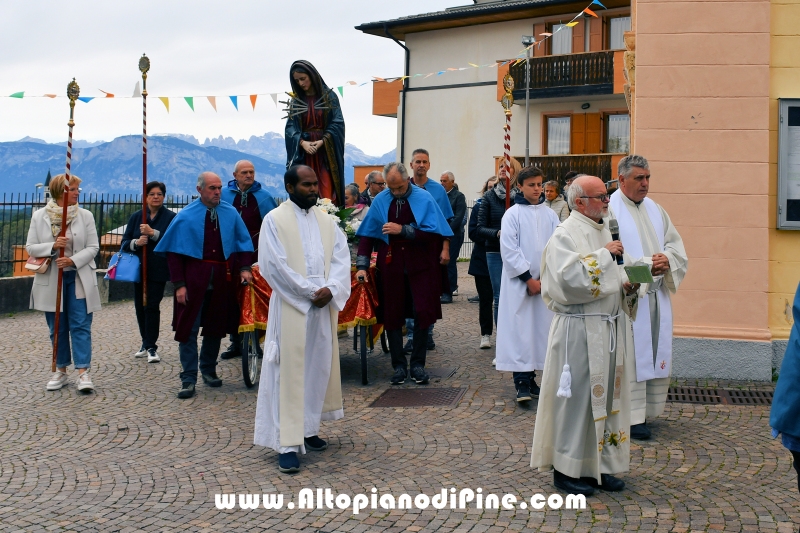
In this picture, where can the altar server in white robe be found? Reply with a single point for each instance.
(303, 255)
(648, 235)
(523, 318)
(582, 424)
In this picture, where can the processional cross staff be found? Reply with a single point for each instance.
(144, 66)
(73, 92)
(507, 101)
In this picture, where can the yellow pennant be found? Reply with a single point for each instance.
(165, 101)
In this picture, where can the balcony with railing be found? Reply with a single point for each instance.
(555, 167)
(582, 74)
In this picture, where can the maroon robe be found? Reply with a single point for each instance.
(221, 316)
(251, 217)
(410, 273)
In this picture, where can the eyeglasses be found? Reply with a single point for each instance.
(379, 183)
(603, 197)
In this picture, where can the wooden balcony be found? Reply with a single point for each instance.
(555, 167)
(583, 74)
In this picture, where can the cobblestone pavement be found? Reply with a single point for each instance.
(132, 457)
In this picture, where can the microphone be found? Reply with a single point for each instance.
(613, 227)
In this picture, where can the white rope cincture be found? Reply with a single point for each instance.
(565, 383)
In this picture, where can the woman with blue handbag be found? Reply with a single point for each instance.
(80, 295)
(138, 236)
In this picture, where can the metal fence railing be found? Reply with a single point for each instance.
(111, 213)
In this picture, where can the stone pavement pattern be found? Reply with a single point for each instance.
(132, 457)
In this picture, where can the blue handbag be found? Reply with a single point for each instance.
(124, 266)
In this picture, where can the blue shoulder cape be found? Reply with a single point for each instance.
(266, 202)
(785, 413)
(186, 233)
(435, 189)
(428, 215)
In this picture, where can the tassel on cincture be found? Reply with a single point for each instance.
(565, 385)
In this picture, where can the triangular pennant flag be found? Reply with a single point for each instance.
(590, 12)
(599, 4)
(165, 101)
(253, 100)
(235, 102)
(341, 90)
(463, 68)
(213, 101)
(472, 65)
(86, 99)
(190, 101)
(546, 34)
(571, 24)
(440, 72)
(108, 95)
(352, 83)
(18, 95)
(274, 97)
(50, 95)
(451, 68)
(366, 82)
(429, 75)
(415, 75)
(493, 65)
(137, 91)
(378, 79)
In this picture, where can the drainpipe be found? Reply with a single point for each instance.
(405, 86)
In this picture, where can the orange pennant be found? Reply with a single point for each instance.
(50, 95)
(590, 12)
(213, 101)
(108, 95)
(253, 100)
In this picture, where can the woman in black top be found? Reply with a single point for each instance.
(138, 236)
(480, 271)
(490, 214)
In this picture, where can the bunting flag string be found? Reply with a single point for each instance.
(518, 58)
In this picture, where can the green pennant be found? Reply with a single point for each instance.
(341, 90)
(17, 95)
(190, 101)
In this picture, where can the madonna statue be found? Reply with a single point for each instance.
(315, 130)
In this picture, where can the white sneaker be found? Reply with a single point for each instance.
(142, 352)
(152, 356)
(494, 361)
(85, 382)
(455, 292)
(58, 380)
(486, 342)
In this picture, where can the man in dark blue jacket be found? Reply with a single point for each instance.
(458, 202)
(253, 203)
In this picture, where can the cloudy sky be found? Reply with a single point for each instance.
(196, 48)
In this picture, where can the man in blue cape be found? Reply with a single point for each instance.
(409, 232)
(420, 165)
(208, 252)
(785, 414)
(253, 203)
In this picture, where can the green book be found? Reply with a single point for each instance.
(639, 274)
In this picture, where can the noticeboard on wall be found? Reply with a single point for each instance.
(789, 163)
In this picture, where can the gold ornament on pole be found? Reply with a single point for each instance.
(507, 101)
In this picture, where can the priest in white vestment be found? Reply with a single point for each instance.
(304, 257)
(523, 319)
(648, 235)
(583, 421)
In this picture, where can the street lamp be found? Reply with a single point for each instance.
(38, 186)
(527, 41)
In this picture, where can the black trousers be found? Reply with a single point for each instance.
(796, 458)
(149, 318)
(419, 351)
(524, 377)
(484, 286)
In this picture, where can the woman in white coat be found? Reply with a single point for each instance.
(80, 297)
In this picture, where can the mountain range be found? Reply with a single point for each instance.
(115, 167)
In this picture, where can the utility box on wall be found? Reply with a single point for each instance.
(789, 163)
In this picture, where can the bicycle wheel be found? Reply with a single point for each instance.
(251, 362)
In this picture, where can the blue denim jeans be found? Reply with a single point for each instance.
(208, 352)
(495, 263)
(74, 324)
(410, 328)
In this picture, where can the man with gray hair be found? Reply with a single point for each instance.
(458, 202)
(376, 183)
(208, 252)
(253, 203)
(583, 420)
(649, 236)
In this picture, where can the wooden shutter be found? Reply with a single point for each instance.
(578, 44)
(593, 133)
(596, 34)
(578, 141)
(539, 51)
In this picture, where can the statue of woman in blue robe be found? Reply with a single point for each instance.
(315, 130)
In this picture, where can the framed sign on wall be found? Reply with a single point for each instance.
(789, 163)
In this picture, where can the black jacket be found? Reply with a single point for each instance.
(490, 215)
(157, 269)
(477, 261)
(458, 202)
